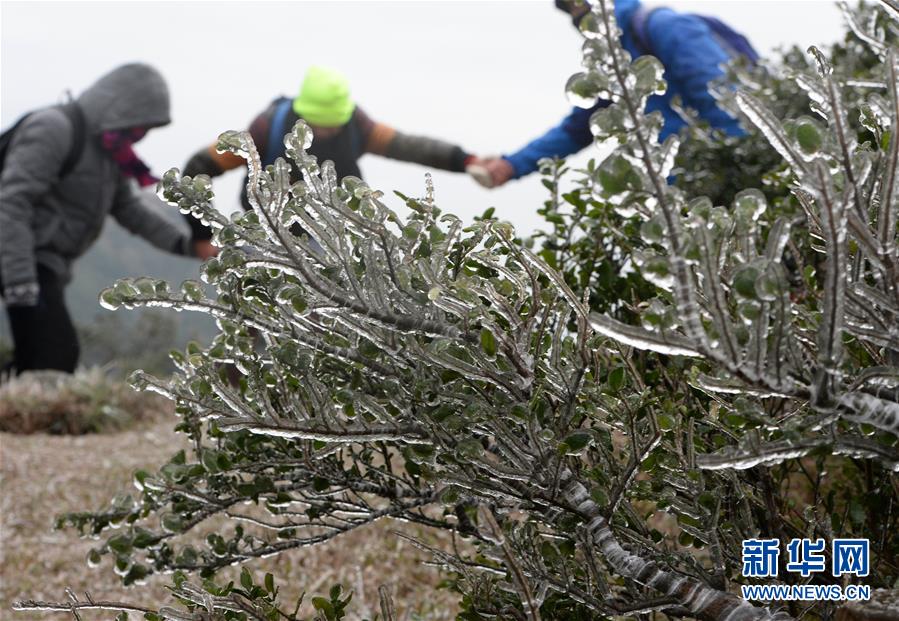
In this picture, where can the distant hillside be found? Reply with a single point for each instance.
(119, 254)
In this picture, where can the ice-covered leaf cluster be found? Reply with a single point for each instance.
(804, 310)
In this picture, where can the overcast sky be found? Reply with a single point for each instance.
(487, 75)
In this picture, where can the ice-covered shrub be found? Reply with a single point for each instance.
(603, 455)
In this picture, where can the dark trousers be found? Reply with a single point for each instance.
(43, 335)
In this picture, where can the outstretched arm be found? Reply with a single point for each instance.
(384, 140)
(569, 136)
(692, 58)
(135, 211)
(209, 162)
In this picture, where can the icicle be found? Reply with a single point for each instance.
(771, 128)
(669, 344)
(769, 455)
(864, 408)
(344, 435)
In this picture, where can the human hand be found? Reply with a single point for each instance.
(490, 172)
(203, 249)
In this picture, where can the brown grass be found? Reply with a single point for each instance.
(41, 476)
(86, 402)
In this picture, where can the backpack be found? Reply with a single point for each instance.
(732, 42)
(282, 121)
(76, 118)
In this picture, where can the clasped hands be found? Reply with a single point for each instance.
(490, 172)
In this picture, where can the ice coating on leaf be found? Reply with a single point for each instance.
(593, 27)
(809, 137)
(655, 268)
(872, 40)
(582, 90)
(816, 89)
(770, 127)
(232, 141)
(299, 139)
(594, 53)
(109, 299)
(668, 151)
(824, 66)
(646, 77)
(610, 121)
(750, 204)
(617, 176)
(659, 316)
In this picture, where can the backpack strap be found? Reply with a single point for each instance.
(76, 117)
(277, 130)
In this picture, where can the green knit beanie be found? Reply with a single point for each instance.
(324, 98)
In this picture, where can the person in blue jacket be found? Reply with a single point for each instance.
(692, 53)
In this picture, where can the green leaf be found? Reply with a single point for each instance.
(488, 342)
(617, 379)
(246, 580)
(470, 449)
(599, 497)
(744, 281)
(136, 574)
(809, 135)
(322, 604)
(575, 442)
(617, 175)
(120, 543)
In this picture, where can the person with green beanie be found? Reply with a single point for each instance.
(324, 98)
(343, 134)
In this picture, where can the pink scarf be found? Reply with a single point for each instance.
(119, 145)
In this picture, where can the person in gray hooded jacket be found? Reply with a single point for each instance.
(48, 219)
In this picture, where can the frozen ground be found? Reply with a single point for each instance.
(43, 475)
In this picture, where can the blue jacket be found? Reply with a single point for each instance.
(691, 56)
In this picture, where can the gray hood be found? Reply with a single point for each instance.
(133, 95)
